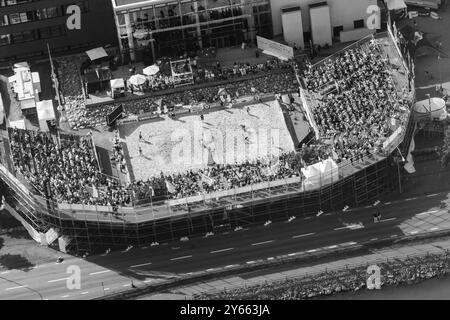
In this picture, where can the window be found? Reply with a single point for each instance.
(51, 32)
(56, 31)
(5, 39)
(121, 19)
(3, 20)
(24, 36)
(46, 13)
(45, 33)
(52, 12)
(358, 24)
(14, 18)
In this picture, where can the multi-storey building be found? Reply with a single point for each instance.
(26, 26)
(154, 28)
(164, 27)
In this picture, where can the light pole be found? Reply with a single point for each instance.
(398, 170)
(429, 103)
(440, 72)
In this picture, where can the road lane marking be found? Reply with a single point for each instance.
(57, 280)
(126, 285)
(393, 236)
(140, 265)
(86, 292)
(426, 212)
(99, 272)
(264, 242)
(4, 272)
(414, 232)
(388, 202)
(183, 257)
(250, 262)
(312, 250)
(389, 219)
(147, 281)
(65, 296)
(270, 258)
(374, 239)
(303, 235)
(434, 228)
(106, 289)
(409, 199)
(231, 266)
(331, 247)
(222, 250)
(18, 287)
(432, 195)
(350, 243)
(355, 226)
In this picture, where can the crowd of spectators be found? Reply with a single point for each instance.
(265, 80)
(67, 170)
(64, 169)
(357, 100)
(118, 154)
(96, 116)
(393, 273)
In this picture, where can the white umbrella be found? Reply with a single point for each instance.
(150, 71)
(137, 79)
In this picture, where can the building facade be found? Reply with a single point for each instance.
(26, 26)
(148, 29)
(155, 28)
(344, 15)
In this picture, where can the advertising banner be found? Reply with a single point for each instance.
(276, 49)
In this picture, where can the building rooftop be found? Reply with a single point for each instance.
(122, 3)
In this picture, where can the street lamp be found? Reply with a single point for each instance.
(440, 72)
(398, 170)
(429, 103)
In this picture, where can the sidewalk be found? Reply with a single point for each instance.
(376, 257)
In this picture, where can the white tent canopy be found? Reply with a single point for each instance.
(96, 53)
(45, 110)
(395, 4)
(430, 108)
(151, 70)
(321, 173)
(117, 83)
(137, 79)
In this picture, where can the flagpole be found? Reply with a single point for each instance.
(55, 81)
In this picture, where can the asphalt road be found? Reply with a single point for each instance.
(117, 271)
